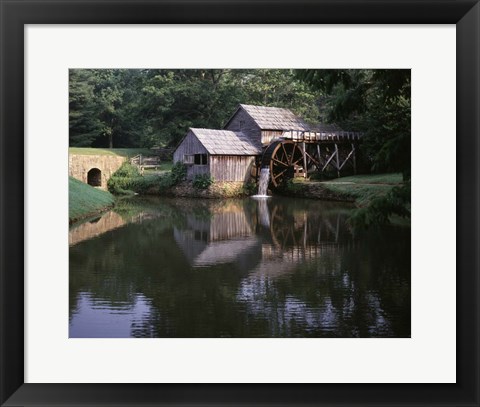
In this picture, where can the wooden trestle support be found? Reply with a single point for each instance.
(299, 153)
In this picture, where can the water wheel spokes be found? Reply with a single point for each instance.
(284, 231)
(279, 162)
(282, 157)
(278, 175)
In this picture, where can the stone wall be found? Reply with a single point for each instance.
(80, 165)
(229, 189)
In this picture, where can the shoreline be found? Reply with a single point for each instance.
(73, 220)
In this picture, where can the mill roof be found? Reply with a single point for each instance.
(326, 128)
(226, 142)
(274, 118)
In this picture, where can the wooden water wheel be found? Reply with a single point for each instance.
(284, 159)
(287, 229)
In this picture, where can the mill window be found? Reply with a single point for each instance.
(188, 159)
(200, 159)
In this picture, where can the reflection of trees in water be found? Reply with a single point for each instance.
(217, 268)
(318, 278)
(333, 295)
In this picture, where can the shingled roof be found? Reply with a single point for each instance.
(274, 118)
(326, 128)
(226, 142)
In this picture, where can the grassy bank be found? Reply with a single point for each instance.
(84, 200)
(364, 188)
(380, 198)
(122, 152)
(360, 189)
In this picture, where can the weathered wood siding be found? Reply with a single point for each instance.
(231, 167)
(229, 225)
(221, 226)
(220, 167)
(269, 135)
(191, 145)
(241, 121)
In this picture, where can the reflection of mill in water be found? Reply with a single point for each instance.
(221, 233)
(300, 236)
(263, 213)
(263, 235)
(261, 242)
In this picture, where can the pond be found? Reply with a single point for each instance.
(244, 268)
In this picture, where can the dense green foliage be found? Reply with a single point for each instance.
(85, 200)
(146, 107)
(127, 180)
(396, 202)
(202, 181)
(365, 189)
(377, 102)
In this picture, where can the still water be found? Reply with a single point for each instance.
(247, 268)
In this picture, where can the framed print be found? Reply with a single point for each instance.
(407, 336)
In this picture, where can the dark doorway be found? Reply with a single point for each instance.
(94, 177)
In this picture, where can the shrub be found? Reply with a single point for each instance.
(178, 172)
(127, 180)
(123, 181)
(293, 187)
(250, 188)
(381, 208)
(202, 181)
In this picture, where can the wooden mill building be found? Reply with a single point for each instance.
(223, 154)
(272, 137)
(264, 124)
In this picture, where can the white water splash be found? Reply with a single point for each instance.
(263, 181)
(263, 213)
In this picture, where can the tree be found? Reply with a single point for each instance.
(377, 102)
(84, 123)
(144, 107)
(109, 98)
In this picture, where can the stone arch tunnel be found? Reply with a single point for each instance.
(94, 177)
(94, 170)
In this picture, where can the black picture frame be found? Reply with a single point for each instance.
(15, 14)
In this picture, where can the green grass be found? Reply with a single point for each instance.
(360, 188)
(364, 188)
(123, 152)
(380, 198)
(164, 166)
(85, 200)
(395, 178)
(363, 193)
